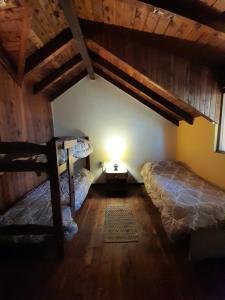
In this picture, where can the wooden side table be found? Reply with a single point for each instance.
(116, 181)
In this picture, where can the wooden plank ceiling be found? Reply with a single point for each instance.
(38, 40)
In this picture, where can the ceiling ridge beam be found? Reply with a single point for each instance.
(56, 74)
(68, 85)
(72, 19)
(136, 96)
(53, 47)
(150, 93)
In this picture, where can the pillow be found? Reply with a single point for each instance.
(82, 148)
(62, 156)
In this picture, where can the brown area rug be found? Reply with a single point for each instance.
(119, 225)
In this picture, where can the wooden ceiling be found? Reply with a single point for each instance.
(38, 41)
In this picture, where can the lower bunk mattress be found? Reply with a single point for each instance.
(186, 201)
(35, 208)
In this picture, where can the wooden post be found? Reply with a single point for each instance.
(70, 14)
(55, 197)
(70, 167)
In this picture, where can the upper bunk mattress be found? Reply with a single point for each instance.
(186, 201)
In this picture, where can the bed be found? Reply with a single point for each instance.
(50, 207)
(186, 202)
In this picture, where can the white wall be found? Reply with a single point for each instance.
(99, 109)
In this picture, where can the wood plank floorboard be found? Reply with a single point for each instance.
(152, 268)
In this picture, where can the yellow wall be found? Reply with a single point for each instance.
(195, 147)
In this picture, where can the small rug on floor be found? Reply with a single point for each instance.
(119, 225)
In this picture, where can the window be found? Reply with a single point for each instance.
(221, 136)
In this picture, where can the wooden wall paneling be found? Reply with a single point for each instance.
(160, 21)
(108, 11)
(194, 11)
(124, 13)
(85, 7)
(152, 94)
(10, 14)
(208, 95)
(219, 5)
(43, 22)
(141, 15)
(167, 72)
(9, 5)
(162, 25)
(218, 107)
(141, 77)
(23, 117)
(97, 10)
(151, 21)
(56, 14)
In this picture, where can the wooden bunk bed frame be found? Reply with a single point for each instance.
(53, 169)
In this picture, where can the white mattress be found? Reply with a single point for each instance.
(186, 201)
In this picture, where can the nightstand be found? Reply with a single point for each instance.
(116, 181)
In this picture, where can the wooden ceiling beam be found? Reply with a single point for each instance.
(71, 16)
(131, 87)
(68, 85)
(25, 28)
(152, 94)
(56, 74)
(194, 10)
(52, 48)
(137, 96)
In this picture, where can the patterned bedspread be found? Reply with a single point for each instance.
(35, 208)
(186, 201)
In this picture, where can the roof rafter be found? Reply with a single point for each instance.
(68, 85)
(52, 48)
(131, 87)
(56, 74)
(152, 94)
(137, 96)
(70, 14)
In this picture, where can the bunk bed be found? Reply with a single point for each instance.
(49, 208)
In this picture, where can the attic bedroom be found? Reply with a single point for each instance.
(112, 142)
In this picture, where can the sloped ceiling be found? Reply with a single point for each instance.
(167, 55)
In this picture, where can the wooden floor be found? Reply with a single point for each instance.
(152, 268)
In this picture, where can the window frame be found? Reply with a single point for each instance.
(222, 115)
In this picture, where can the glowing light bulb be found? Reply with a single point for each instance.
(115, 147)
